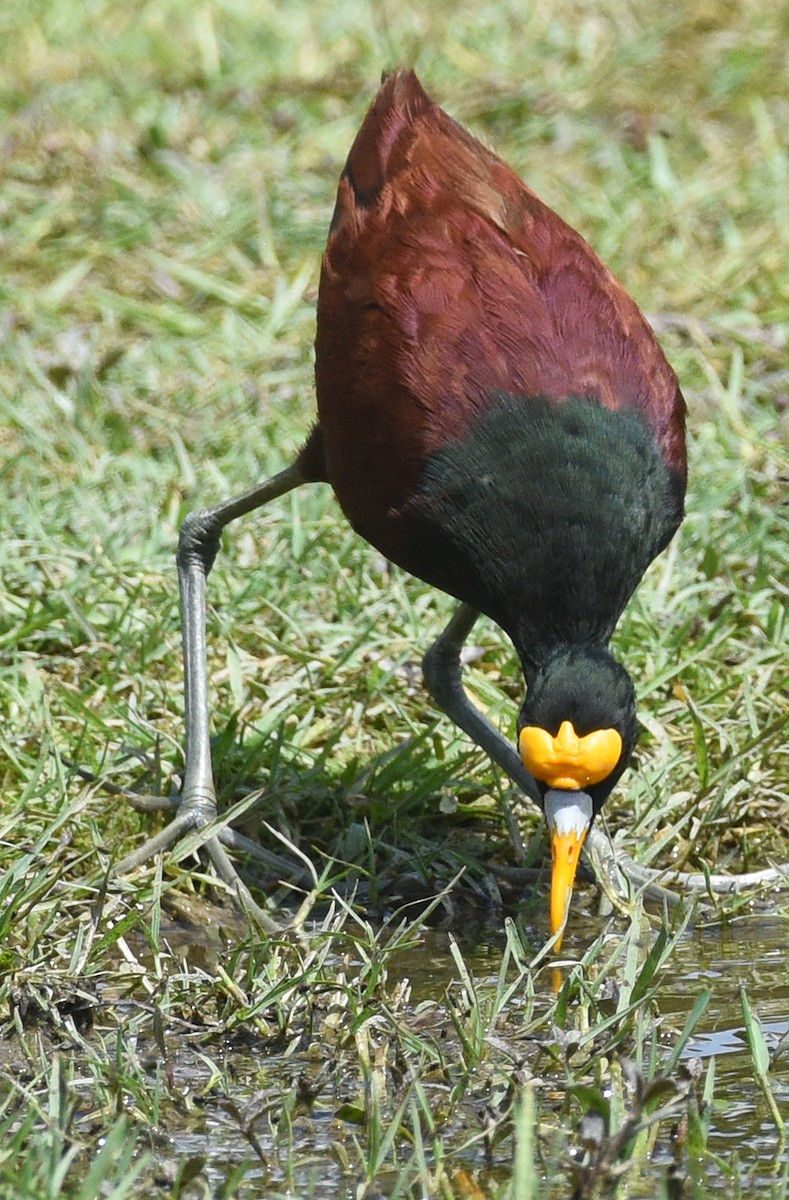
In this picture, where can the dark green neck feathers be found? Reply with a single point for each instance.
(545, 517)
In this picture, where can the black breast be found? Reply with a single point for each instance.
(544, 517)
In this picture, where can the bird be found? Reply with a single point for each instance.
(496, 417)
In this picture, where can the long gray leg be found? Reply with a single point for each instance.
(442, 673)
(197, 548)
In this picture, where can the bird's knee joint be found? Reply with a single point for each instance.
(199, 539)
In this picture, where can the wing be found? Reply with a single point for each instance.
(446, 282)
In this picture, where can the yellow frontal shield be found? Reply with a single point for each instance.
(567, 761)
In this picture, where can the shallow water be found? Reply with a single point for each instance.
(749, 952)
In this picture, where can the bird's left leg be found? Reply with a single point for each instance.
(197, 548)
(442, 672)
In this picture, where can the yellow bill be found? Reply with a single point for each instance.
(568, 815)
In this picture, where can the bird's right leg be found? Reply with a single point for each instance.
(197, 548)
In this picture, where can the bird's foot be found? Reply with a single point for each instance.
(138, 801)
(612, 877)
(621, 876)
(197, 828)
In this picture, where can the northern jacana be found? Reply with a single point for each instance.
(496, 417)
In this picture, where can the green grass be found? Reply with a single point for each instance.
(168, 173)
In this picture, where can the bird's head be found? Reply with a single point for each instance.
(576, 733)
